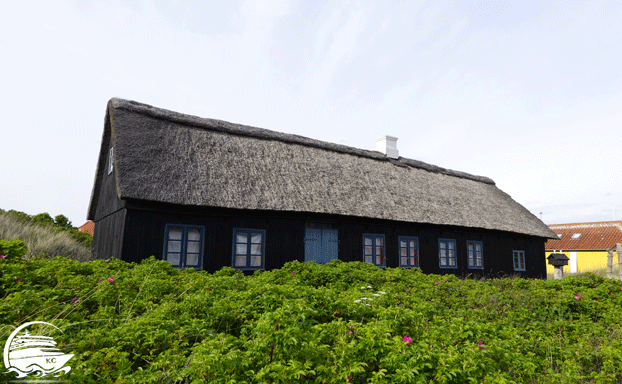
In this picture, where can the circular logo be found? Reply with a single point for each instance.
(34, 354)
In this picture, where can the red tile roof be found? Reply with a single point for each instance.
(88, 227)
(598, 236)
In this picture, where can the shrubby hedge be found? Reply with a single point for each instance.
(306, 323)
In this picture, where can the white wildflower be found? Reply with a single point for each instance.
(369, 286)
(375, 294)
(357, 301)
(384, 293)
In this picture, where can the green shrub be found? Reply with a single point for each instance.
(307, 323)
(13, 250)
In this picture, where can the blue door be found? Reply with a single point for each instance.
(321, 245)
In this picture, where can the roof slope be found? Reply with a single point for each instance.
(599, 235)
(88, 227)
(169, 157)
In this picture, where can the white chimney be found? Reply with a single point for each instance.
(388, 146)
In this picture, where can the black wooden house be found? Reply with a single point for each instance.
(206, 193)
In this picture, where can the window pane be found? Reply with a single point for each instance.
(194, 235)
(368, 241)
(412, 243)
(413, 261)
(442, 245)
(173, 258)
(451, 245)
(403, 252)
(255, 261)
(403, 244)
(174, 246)
(379, 260)
(193, 247)
(256, 238)
(240, 261)
(368, 259)
(368, 250)
(379, 240)
(413, 251)
(240, 249)
(174, 234)
(470, 247)
(255, 249)
(192, 259)
(479, 262)
(443, 261)
(478, 247)
(404, 260)
(241, 238)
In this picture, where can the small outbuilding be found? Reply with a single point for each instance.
(203, 193)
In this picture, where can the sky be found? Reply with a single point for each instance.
(527, 93)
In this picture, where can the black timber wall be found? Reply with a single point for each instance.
(144, 236)
(108, 200)
(109, 217)
(108, 236)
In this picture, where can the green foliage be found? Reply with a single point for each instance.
(307, 323)
(62, 221)
(13, 250)
(43, 219)
(45, 236)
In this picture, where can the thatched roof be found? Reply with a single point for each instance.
(169, 157)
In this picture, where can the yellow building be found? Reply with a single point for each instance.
(586, 244)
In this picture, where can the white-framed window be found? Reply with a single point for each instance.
(475, 254)
(409, 251)
(447, 253)
(519, 260)
(110, 161)
(575, 236)
(374, 249)
(183, 245)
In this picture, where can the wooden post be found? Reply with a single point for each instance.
(558, 272)
(610, 263)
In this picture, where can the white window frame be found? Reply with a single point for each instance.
(110, 161)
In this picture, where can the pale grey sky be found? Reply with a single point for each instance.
(528, 93)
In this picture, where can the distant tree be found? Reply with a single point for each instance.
(43, 219)
(63, 221)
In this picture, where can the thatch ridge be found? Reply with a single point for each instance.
(265, 134)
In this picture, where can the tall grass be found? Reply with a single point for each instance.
(42, 240)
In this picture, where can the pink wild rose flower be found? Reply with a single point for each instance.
(110, 279)
(407, 340)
